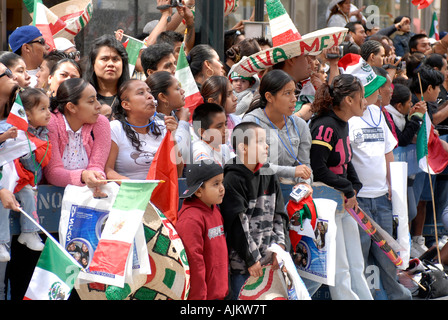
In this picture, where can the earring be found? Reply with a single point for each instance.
(206, 73)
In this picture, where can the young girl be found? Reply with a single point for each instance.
(288, 136)
(331, 163)
(64, 69)
(136, 132)
(219, 90)
(170, 98)
(29, 169)
(80, 136)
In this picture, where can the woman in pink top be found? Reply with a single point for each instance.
(80, 137)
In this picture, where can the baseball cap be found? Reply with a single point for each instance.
(198, 173)
(22, 35)
(63, 44)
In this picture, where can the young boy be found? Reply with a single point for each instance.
(373, 144)
(253, 206)
(209, 124)
(200, 226)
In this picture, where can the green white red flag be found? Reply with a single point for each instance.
(114, 247)
(54, 275)
(183, 74)
(17, 116)
(133, 47)
(434, 31)
(41, 22)
(431, 156)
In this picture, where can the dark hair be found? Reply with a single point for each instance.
(53, 57)
(197, 56)
(68, 91)
(203, 115)
(413, 61)
(329, 97)
(401, 94)
(106, 40)
(413, 42)
(170, 37)
(247, 47)
(351, 26)
(263, 41)
(369, 47)
(215, 87)
(230, 37)
(31, 97)
(399, 18)
(152, 55)
(273, 81)
(435, 60)
(58, 64)
(241, 133)
(9, 59)
(120, 115)
(159, 82)
(428, 77)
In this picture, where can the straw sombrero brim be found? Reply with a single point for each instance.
(270, 286)
(310, 43)
(75, 13)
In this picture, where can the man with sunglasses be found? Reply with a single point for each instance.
(28, 42)
(68, 47)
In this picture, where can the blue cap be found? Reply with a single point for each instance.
(22, 35)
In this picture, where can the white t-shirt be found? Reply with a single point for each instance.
(203, 151)
(371, 139)
(130, 162)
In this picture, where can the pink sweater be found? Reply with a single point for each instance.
(96, 140)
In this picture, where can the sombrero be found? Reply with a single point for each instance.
(72, 16)
(355, 65)
(270, 286)
(287, 41)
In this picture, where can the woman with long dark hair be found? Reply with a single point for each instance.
(80, 137)
(330, 157)
(288, 136)
(136, 133)
(107, 68)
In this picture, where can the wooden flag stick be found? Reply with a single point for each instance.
(430, 185)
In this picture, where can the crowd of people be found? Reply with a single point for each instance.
(333, 116)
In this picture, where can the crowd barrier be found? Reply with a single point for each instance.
(49, 198)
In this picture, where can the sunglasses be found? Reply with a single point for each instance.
(41, 41)
(7, 73)
(74, 55)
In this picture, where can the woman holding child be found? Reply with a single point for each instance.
(330, 157)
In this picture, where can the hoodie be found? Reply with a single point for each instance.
(254, 215)
(295, 134)
(202, 232)
(331, 154)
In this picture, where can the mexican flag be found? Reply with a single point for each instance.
(41, 22)
(434, 31)
(54, 275)
(114, 247)
(163, 167)
(183, 74)
(133, 47)
(17, 115)
(431, 156)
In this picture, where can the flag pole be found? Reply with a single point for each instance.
(431, 187)
(51, 237)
